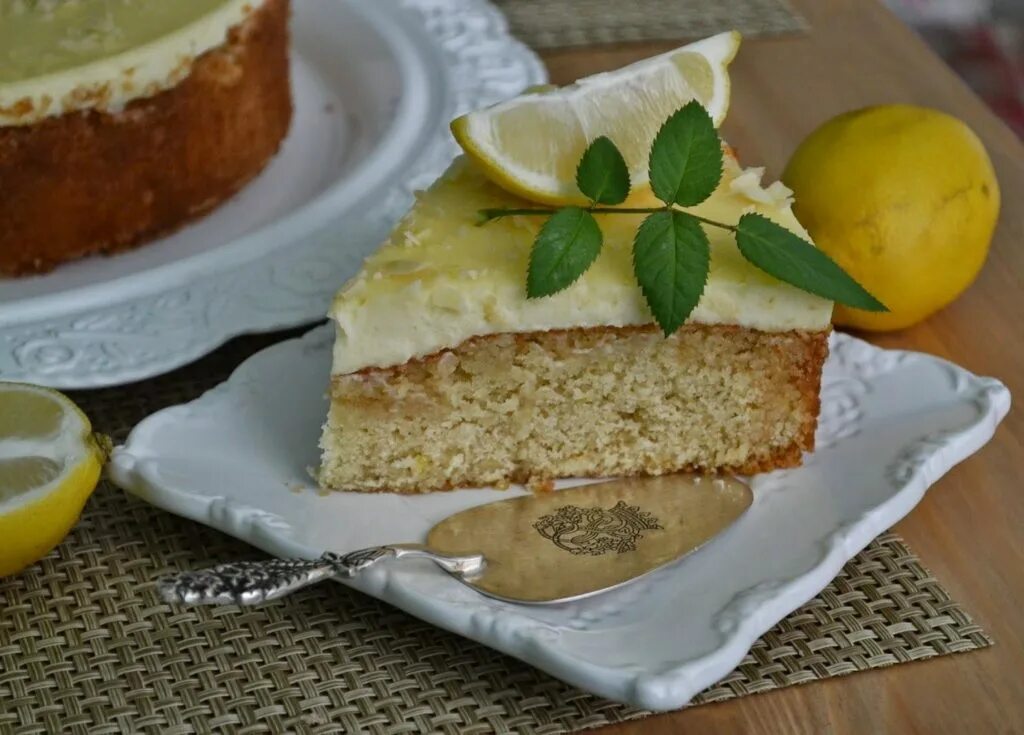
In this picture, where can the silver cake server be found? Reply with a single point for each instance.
(538, 549)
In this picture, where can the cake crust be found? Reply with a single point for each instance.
(776, 379)
(95, 182)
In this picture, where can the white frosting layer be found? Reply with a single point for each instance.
(442, 279)
(59, 57)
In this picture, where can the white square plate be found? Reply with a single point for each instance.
(892, 423)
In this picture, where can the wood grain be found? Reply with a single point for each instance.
(970, 528)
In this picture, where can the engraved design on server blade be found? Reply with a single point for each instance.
(597, 531)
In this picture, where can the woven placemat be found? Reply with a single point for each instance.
(555, 23)
(87, 647)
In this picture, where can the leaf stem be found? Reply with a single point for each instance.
(486, 215)
(706, 221)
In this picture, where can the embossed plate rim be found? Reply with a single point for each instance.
(156, 468)
(451, 55)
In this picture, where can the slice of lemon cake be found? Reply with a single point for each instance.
(448, 374)
(445, 375)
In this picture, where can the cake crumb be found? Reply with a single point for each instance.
(597, 402)
(541, 485)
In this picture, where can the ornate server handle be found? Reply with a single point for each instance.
(252, 582)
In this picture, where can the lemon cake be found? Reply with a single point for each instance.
(121, 121)
(445, 375)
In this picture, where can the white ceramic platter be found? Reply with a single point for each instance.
(892, 424)
(375, 85)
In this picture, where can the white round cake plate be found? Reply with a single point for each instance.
(375, 85)
(892, 423)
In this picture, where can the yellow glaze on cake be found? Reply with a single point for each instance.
(442, 279)
(58, 56)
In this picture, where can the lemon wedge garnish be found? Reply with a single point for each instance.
(530, 145)
(50, 462)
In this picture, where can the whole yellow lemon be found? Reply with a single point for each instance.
(905, 199)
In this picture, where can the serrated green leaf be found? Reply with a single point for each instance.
(670, 260)
(602, 175)
(790, 258)
(564, 248)
(686, 157)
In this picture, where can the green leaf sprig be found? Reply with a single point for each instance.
(671, 252)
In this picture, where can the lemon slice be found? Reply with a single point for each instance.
(530, 145)
(50, 462)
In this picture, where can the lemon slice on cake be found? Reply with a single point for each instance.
(530, 145)
(50, 462)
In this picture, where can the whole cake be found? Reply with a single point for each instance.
(445, 375)
(121, 121)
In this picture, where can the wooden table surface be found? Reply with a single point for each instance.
(969, 530)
